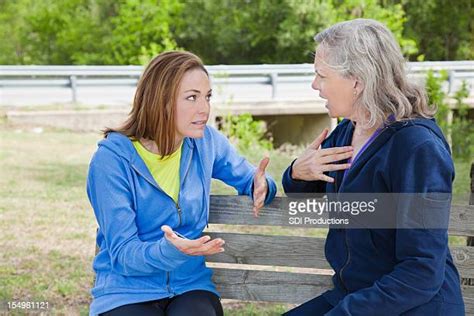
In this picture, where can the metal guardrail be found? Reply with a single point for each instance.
(98, 76)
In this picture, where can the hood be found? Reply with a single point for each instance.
(429, 124)
(119, 144)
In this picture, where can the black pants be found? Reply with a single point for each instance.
(315, 307)
(192, 303)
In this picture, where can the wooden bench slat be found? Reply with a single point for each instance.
(305, 252)
(250, 285)
(468, 295)
(464, 260)
(461, 221)
(295, 288)
(237, 210)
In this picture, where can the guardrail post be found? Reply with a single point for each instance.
(451, 81)
(273, 81)
(450, 117)
(73, 83)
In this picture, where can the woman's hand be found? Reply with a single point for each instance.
(312, 164)
(260, 186)
(203, 246)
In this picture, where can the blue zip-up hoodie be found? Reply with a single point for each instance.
(389, 271)
(135, 262)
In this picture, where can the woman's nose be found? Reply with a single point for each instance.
(204, 106)
(315, 84)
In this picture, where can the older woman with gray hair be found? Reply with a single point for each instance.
(388, 142)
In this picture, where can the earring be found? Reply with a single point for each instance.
(355, 92)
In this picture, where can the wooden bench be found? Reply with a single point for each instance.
(235, 279)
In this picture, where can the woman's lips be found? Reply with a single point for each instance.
(199, 123)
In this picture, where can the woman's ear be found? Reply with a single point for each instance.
(358, 86)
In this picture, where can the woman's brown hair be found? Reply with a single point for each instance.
(153, 112)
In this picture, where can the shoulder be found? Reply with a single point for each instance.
(114, 149)
(411, 135)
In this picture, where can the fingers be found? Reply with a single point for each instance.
(259, 199)
(324, 177)
(260, 186)
(263, 165)
(319, 140)
(336, 150)
(334, 167)
(336, 157)
(208, 248)
(256, 209)
(169, 234)
(260, 190)
(202, 246)
(258, 204)
(183, 242)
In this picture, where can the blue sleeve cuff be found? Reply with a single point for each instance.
(272, 189)
(169, 255)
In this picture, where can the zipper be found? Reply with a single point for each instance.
(178, 208)
(344, 231)
(346, 263)
(345, 241)
(168, 287)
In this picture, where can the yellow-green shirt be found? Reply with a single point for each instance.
(165, 171)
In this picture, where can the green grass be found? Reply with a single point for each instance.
(47, 228)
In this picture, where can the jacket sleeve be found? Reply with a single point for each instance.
(109, 192)
(234, 170)
(291, 185)
(420, 253)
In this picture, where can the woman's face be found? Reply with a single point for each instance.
(339, 92)
(192, 106)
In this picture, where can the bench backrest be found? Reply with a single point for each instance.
(301, 271)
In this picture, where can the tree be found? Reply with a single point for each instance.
(230, 32)
(85, 31)
(139, 30)
(273, 31)
(443, 29)
(391, 14)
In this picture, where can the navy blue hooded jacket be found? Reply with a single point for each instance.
(391, 271)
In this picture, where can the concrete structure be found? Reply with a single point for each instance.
(296, 122)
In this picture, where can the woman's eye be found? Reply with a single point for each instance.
(192, 98)
(208, 97)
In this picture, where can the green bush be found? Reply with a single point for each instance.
(246, 133)
(460, 130)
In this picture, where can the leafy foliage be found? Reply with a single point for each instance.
(460, 129)
(444, 30)
(247, 134)
(85, 31)
(220, 31)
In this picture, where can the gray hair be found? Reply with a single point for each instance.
(367, 50)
